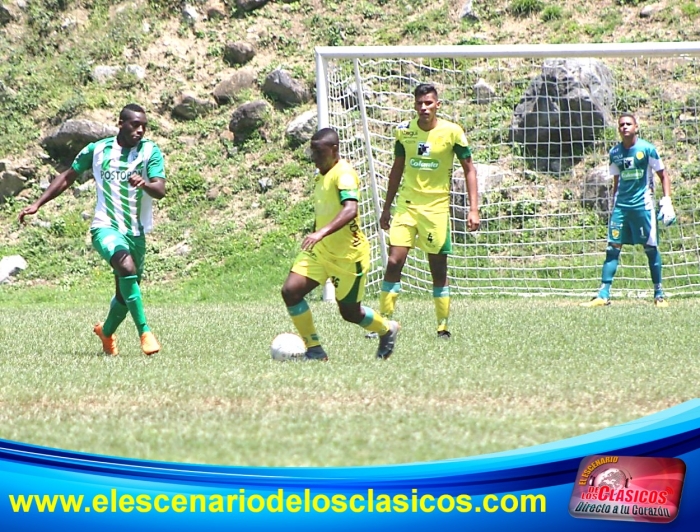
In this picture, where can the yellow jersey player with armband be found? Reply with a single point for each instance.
(633, 163)
(419, 180)
(337, 250)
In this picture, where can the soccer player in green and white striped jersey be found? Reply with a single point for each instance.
(129, 173)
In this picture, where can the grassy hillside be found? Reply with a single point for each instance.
(215, 222)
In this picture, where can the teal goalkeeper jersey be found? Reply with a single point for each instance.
(636, 167)
(120, 206)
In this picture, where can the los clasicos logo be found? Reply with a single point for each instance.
(628, 488)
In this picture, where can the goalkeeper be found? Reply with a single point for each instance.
(423, 156)
(632, 165)
(337, 249)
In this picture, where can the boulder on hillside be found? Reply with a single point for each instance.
(488, 177)
(228, 89)
(66, 141)
(563, 111)
(189, 107)
(11, 184)
(238, 53)
(247, 119)
(11, 266)
(596, 190)
(281, 86)
(250, 5)
(302, 128)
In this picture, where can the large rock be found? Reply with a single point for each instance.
(11, 266)
(6, 15)
(228, 89)
(596, 190)
(281, 86)
(302, 128)
(239, 52)
(11, 184)
(189, 107)
(563, 111)
(248, 118)
(488, 177)
(250, 5)
(66, 141)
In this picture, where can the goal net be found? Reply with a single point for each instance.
(540, 121)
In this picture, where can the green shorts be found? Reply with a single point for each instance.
(348, 277)
(108, 241)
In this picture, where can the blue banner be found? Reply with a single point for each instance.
(531, 488)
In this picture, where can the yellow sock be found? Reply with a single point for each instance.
(388, 297)
(304, 323)
(374, 322)
(441, 297)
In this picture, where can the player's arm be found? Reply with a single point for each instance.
(154, 187)
(395, 175)
(344, 217)
(469, 169)
(57, 187)
(154, 184)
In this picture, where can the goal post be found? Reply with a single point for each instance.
(540, 120)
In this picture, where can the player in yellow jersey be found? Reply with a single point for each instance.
(336, 250)
(424, 152)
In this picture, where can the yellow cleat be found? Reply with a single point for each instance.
(109, 343)
(149, 344)
(660, 302)
(596, 302)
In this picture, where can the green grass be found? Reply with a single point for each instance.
(516, 373)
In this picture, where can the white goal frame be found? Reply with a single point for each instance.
(680, 246)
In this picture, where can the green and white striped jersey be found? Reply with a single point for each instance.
(120, 206)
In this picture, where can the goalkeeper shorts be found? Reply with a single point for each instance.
(427, 229)
(633, 226)
(348, 277)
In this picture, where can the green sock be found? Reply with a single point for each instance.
(115, 316)
(129, 287)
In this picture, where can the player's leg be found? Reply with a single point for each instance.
(391, 285)
(350, 291)
(434, 238)
(441, 293)
(647, 220)
(128, 268)
(306, 274)
(402, 236)
(618, 233)
(107, 242)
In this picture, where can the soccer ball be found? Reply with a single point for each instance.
(287, 346)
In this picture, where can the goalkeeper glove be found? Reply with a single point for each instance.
(666, 213)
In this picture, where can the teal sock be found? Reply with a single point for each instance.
(612, 256)
(129, 287)
(116, 315)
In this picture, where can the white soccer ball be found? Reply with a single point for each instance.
(287, 346)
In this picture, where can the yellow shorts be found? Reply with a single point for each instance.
(348, 277)
(429, 230)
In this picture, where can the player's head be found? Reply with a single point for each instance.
(426, 103)
(628, 127)
(132, 125)
(325, 149)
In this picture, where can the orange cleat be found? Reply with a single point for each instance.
(149, 344)
(109, 343)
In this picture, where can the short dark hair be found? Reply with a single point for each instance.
(130, 108)
(627, 115)
(423, 89)
(327, 135)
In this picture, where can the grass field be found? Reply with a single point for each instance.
(518, 372)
